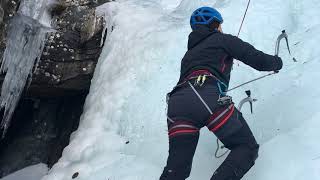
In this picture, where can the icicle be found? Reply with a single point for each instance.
(25, 42)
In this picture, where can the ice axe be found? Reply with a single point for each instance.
(283, 35)
(248, 99)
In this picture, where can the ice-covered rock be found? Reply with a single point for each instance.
(50, 108)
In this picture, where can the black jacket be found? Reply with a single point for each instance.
(214, 51)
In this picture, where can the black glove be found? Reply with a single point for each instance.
(277, 64)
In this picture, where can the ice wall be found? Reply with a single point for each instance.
(123, 135)
(25, 42)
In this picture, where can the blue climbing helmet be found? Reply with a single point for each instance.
(205, 16)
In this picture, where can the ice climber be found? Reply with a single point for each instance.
(199, 99)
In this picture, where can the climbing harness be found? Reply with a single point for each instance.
(223, 100)
(199, 96)
(200, 77)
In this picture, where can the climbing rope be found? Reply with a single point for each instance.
(218, 145)
(244, 16)
(217, 150)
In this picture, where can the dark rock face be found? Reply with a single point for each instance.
(1, 14)
(71, 53)
(67, 67)
(50, 108)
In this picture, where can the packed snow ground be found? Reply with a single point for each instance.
(122, 134)
(35, 172)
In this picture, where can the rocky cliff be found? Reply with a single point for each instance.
(50, 107)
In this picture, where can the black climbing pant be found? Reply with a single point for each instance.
(187, 115)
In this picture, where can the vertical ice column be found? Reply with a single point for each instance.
(25, 42)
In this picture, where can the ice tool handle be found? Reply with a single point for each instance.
(247, 99)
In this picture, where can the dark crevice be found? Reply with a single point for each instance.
(39, 132)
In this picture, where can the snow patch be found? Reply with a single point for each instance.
(35, 172)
